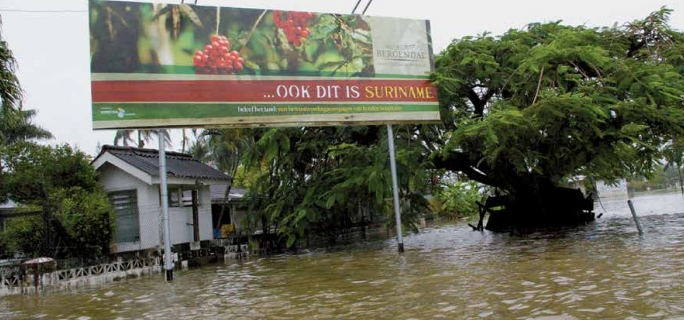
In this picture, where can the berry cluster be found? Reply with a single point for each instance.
(217, 58)
(295, 25)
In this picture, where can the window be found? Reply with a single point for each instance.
(180, 197)
(125, 204)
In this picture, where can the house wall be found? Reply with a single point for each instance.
(150, 217)
(114, 179)
(181, 219)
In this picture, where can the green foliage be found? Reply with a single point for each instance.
(87, 220)
(328, 179)
(532, 107)
(457, 200)
(34, 172)
(25, 234)
(75, 219)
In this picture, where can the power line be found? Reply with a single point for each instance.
(42, 11)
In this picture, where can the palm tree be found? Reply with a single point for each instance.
(15, 123)
(124, 136)
(10, 90)
(226, 150)
(199, 147)
(16, 126)
(144, 136)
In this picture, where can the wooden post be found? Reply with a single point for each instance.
(634, 215)
(195, 215)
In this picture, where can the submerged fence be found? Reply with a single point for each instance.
(17, 279)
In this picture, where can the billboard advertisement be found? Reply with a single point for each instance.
(178, 65)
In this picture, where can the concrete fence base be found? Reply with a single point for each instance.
(11, 280)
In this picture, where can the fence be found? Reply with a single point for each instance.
(17, 279)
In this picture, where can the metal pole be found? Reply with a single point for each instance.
(395, 188)
(636, 219)
(163, 190)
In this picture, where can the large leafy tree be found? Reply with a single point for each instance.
(525, 111)
(76, 219)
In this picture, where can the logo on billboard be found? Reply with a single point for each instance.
(406, 52)
(119, 112)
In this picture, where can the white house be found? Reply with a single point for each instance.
(131, 178)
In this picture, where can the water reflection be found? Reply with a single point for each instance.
(600, 270)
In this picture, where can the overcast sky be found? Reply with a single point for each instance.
(53, 52)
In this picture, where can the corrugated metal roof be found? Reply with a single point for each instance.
(178, 165)
(218, 191)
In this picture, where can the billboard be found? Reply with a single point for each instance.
(180, 65)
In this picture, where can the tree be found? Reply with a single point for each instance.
(674, 155)
(15, 123)
(525, 111)
(10, 90)
(324, 180)
(143, 137)
(76, 219)
(225, 149)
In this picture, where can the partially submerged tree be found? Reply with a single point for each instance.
(529, 109)
(327, 179)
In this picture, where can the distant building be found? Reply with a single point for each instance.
(131, 179)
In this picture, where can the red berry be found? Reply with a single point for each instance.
(215, 38)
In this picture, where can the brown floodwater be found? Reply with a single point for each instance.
(603, 270)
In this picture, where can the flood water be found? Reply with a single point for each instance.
(603, 270)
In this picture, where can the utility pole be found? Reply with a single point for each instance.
(163, 191)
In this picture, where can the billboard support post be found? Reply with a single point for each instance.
(395, 187)
(393, 167)
(163, 191)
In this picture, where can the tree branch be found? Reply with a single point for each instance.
(460, 162)
(541, 76)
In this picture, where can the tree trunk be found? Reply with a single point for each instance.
(541, 206)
